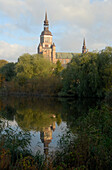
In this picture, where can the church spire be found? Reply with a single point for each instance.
(84, 44)
(46, 23)
(84, 47)
(46, 16)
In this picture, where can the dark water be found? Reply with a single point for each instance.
(47, 119)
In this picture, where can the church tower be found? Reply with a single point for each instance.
(46, 47)
(84, 47)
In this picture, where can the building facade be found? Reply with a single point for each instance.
(48, 48)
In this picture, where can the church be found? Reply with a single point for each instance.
(48, 48)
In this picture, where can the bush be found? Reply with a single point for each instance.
(92, 147)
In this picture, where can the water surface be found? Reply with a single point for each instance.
(47, 119)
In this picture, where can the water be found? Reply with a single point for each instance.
(47, 119)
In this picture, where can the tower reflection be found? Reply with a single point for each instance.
(46, 136)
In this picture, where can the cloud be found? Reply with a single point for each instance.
(12, 8)
(70, 21)
(11, 52)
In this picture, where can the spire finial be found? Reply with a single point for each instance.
(46, 23)
(84, 42)
(46, 16)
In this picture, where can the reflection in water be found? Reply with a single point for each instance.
(2, 106)
(42, 115)
(46, 136)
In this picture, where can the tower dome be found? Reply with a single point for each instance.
(46, 26)
(46, 32)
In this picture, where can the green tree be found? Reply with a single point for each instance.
(33, 66)
(89, 75)
(8, 71)
(58, 68)
(2, 79)
(3, 62)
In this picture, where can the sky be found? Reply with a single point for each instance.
(21, 23)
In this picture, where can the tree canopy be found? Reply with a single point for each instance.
(89, 75)
(8, 71)
(3, 62)
(58, 69)
(33, 66)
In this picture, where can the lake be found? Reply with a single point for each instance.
(47, 119)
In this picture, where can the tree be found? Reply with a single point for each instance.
(58, 68)
(33, 66)
(89, 75)
(8, 71)
(3, 62)
(2, 79)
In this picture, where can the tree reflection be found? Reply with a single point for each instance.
(37, 113)
(42, 114)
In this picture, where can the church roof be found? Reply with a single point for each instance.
(46, 32)
(66, 55)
